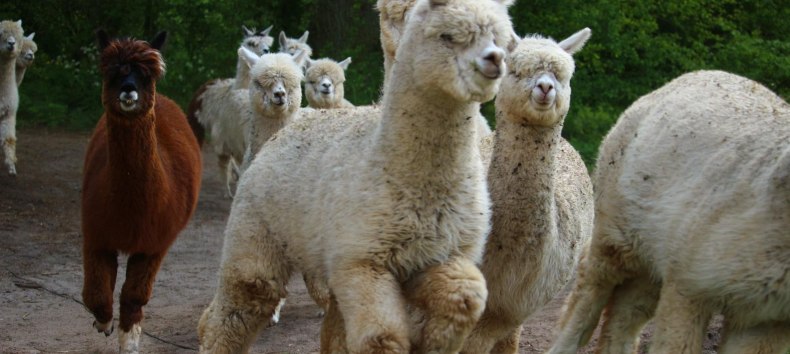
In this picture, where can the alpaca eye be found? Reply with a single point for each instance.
(266, 51)
(446, 37)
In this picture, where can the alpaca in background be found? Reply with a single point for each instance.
(140, 186)
(11, 39)
(26, 57)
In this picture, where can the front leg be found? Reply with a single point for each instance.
(141, 272)
(451, 298)
(333, 330)
(8, 140)
(99, 272)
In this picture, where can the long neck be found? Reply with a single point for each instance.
(242, 80)
(426, 137)
(20, 73)
(7, 68)
(263, 127)
(135, 164)
(521, 178)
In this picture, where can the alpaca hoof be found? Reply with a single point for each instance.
(321, 314)
(12, 171)
(105, 328)
(129, 342)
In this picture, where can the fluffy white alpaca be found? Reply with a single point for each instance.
(391, 208)
(275, 97)
(293, 45)
(26, 57)
(220, 105)
(692, 219)
(392, 15)
(540, 190)
(11, 38)
(324, 86)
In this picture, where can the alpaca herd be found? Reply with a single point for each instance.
(415, 227)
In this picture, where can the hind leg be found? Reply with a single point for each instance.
(223, 162)
(632, 304)
(681, 322)
(318, 290)
(764, 339)
(451, 297)
(509, 344)
(141, 272)
(372, 306)
(8, 136)
(99, 272)
(252, 280)
(333, 333)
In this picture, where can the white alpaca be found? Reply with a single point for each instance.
(220, 106)
(392, 15)
(11, 38)
(26, 57)
(391, 208)
(541, 193)
(692, 219)
(324, 86)
(293, 45)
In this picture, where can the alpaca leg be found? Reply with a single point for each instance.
(373, 308)
(252, 280)
(764, 339)
(680, 323)
(100, 268)
(8, 136)
(495, 331)
(223, 162)
(141, 272)
(509, 344)
(333, 334)
(452, 297)
(632, 304)
(598, 272)
(318, 290)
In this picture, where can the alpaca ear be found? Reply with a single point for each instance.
(265, 32)
(103, 38)
(159, 40)
(30, 36)
(308, 63)
(344, 64)
(282, 39)
(19, 23)
(248, 56)
(300, 57)
(513, 43)
(303, 38)
(247, 31)
(576, 41)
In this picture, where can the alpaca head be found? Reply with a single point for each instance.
(454, 48)
(291, 45)
(324, 82)
(11, 38)
(130, 69)
(258, 42)
(537, 88)
(28, 53)
(276, 82)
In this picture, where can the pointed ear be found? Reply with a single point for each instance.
(30, 36)
(303, 38)
(103, 38)
(19, 23)
(265, 32)
(308, 63)
(513, 43)
(247, 31)
(248, 56)
(344, 64)
(576, 41)
(159, 40)
(300, 57)
(282, 40)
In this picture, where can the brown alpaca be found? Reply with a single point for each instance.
(141, 181)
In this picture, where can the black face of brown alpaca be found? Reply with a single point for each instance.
(130, 69)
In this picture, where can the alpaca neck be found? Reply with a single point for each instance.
(20, 73)
(264, 126)
(242, 80)
(521, 179)
(8, 70)
(422, 133)
(134, 162)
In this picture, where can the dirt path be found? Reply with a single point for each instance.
(41, 269)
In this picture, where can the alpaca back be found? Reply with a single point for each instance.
(148, 214)
(695, 175)
(225, 122)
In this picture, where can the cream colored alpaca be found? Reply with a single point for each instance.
(221, 106)
(293, 45)
(392, 16)
(540, 190)
(11, 38)
(26, 57)
(324, 86)
(692, 219)
(391, 208)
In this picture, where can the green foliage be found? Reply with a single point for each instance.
(636, 47)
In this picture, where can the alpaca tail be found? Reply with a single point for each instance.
(194, 107)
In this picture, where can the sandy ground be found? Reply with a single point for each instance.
(41, 267)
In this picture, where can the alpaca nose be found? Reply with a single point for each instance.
(326, 85)
(545, 86)
(279, 94)
(11, 43)
(492, 62)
